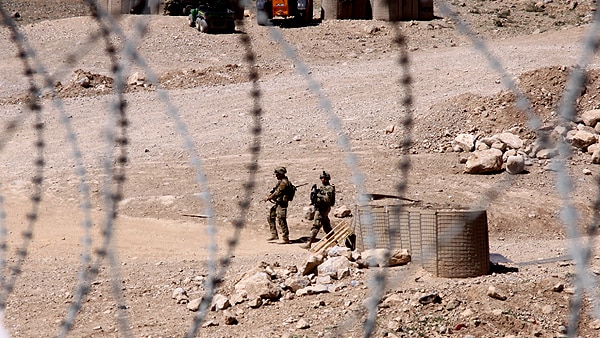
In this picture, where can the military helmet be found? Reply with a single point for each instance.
(325, 175)
(280, 170)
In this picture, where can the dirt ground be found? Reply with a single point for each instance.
(160, 247)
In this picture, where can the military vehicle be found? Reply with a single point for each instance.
(179, 7)
(184, 7)
(212, 16)
(300, 10)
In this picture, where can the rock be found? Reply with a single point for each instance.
(592, 148)
(515, 164)
(376, 257)
(258, 284)
(371, 29)
(390, 129)
(239, 297)
(430, 298)
(180, 295)
(394, 326)
(591, 117)
(324, 280)
(484, 161)
(333, 266)
(194, 304)
(545, 154)
(342, 211)
(210, 323)
(511, 140)
(464, 142)
(394, 300)
(453, 304)
(466, 313)
(220, 302)
(84, 82)
(510, 152)
(596, 157)
(494, 293)
(295, 283)
(595, 324)
(312, 263)
(339, 251)
(583, 127)
(136, 79)
(255, 302)
(313, 289)
(229, 318)
(499, 145)
(582, 139)
(302, 324)
(481, 146)
(399, 257)
(302, 292)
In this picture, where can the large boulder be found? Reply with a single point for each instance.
(515, 164)
(591, 117)
(582, 139)
(511, 140)
(296, 283)
(484, 161)
(258, 284)
(312, 263)
(334, 266)
(383, 257)
(464, 142)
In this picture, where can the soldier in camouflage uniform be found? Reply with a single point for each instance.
(279, 197)
(323, 199)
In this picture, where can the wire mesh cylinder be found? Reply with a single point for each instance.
(450, 243)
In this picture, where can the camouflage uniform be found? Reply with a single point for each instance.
(279, 196)
(323, 201)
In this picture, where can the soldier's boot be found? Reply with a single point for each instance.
(307, 245)
(284, 240)
(273, 230)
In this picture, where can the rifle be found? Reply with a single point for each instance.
(313, 194)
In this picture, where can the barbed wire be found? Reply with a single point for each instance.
(29, 69)
(116, 177)
(252, 166)
(581, 254)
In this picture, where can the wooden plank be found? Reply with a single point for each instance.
(340, 234)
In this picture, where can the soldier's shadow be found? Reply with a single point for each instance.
(303, 239)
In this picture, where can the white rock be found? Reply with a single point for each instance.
(511, 140)
(591, 117)
(464, 142)
(515, 164)
(483, 161)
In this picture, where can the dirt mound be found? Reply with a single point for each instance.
(217, 75)
(488, 115)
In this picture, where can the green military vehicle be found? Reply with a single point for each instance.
(212, 16)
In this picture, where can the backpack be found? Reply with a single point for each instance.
(291, 192)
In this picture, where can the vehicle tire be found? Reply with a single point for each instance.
(262, 19)
(231, 27)
(202, 25)
(309, 12)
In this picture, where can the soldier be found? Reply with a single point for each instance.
(279, 197)
(323, 198)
